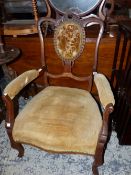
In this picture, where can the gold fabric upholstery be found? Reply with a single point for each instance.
(60, 119)
(13, 88)
(104, 90)
(69, 39)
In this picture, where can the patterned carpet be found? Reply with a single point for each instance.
(37, 162)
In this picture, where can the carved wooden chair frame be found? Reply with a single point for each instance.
(68, 64)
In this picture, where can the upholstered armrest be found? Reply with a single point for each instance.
(15, 86)
(104, 90)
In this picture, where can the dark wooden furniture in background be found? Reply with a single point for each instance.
(7, 54)
(121, 78)
(20, 17)
(30, 58)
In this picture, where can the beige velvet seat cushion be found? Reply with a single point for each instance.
(60, 119)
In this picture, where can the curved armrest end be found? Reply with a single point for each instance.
(16, 85)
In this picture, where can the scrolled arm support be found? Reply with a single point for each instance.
(108, 110)
(102, 140)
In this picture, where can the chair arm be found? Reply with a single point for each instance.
(16, 85)
(104, 90)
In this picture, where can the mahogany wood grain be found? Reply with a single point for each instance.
(30, 57)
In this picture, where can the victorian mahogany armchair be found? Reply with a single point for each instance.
(59, 118)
